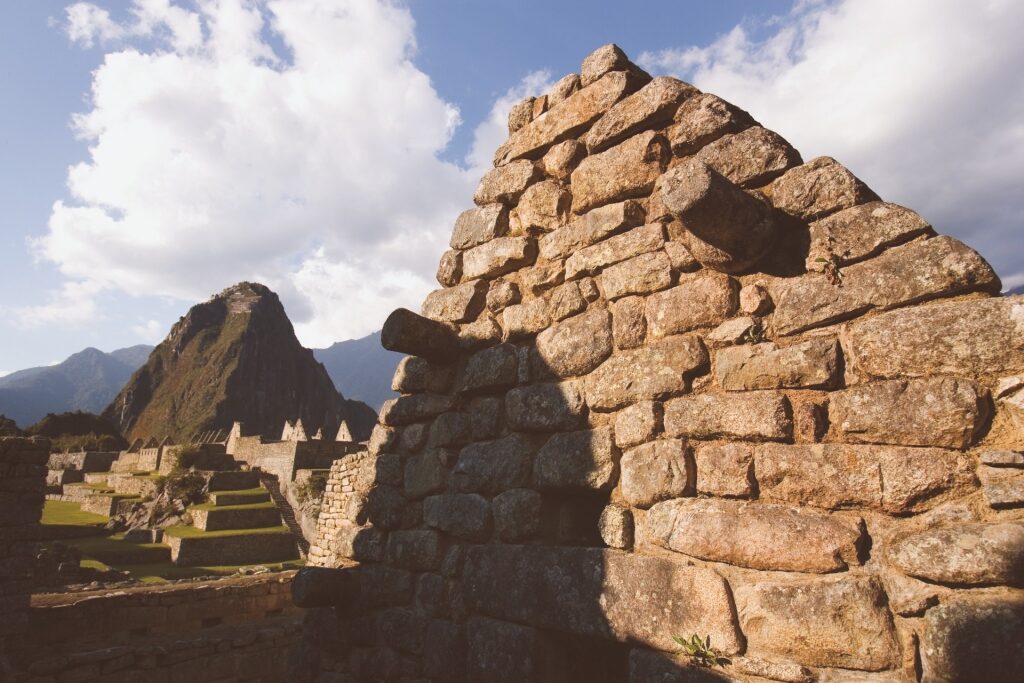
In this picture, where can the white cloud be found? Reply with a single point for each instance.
(920, 98)
(4, 373)
(72, 305)
(150, 331)
(213, 159)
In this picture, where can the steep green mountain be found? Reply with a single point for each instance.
(79, 429)
(362, 366)
(233, 357)
(87, 380)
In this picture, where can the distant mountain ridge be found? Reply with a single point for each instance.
(1015, 290)
(87, 380)
(362, 367)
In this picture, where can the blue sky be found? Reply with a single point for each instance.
(325, 146)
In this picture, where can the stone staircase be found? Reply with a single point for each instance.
(271, 484)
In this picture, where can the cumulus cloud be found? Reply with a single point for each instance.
(150, 331)
(72, 305)
(294, 142)
(920, 98)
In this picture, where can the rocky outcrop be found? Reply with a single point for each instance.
(233, 358)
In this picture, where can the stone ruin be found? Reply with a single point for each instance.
(679, 381)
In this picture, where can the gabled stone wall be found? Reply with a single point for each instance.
(679, 381)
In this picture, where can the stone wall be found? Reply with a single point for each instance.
(233, 629)
(679, 381)
(202, 551)
(22, 493)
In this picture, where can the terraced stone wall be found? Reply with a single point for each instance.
(681, 381)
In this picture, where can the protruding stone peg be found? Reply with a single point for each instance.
(724, 228)
(411, 333)
(324, 587)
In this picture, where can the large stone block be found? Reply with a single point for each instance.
(577, 460)
(405, 410)
(637, 423)
(502, 652)
(809, 364)
(516, 514)
(861, 232)
(725, 470)
(656, 471)
(521, 320)
(637, 241)
(702, 119)
(591, 228)
(755, 535)
(820, 187)
(462, 515)
(756, 416)
(479, 225)
(894, 479)
(640, 275)
(655, 371)
(924, 412)
(966, 554)
(701, 301)
(622, 172)
(602, 593)
(650, 107)
(974, 640)
(415, 549)
(559, 161)
(542, 207)
(569, 117)
(918, 271)
(408, 332)
(975, 337)
(751, 157)
(497, 257)
(425, 474)
(605, 59)
(577, 345)
(831, 622)
(494, 466)
(545, 407)
(490, 369)
(506, 183)
(458, 304)
(415, 375)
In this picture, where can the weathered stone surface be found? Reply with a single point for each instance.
(565, 301)
(975, 639)
(577, 345)
(833, 622)
(604, 59)
(494, 466)
(656, 471)
(416, 549)
(501, 295)
(755, 535)
(567, 119)
(425, 474)
(450, 429)
(780, 671)
(505, 183)
(497, 257)
(1003, 488)
(861, 232)
(588, 289)
(491, 368)
(637, 241)
(604, 593)
(640, 275)
(577, 460)
(408, 332)
(516, 514)
(502, 652)
(650, 107)
(757, 416)
(701, 301)
(629, 328)
(542, 277)
(1002, 458)
(923, 412)
(415, 375)
(482, 332)
(812, 363)
(820, 187)
(590, 228)
(751, 157)
(722, 226)
(521, 320)
(616, 527)
(730, 332)
(462, 515)
(456, 304)
(479, 225)
(545, 407)
(974, 337)
(627, 170)
(563, 88)
(702, 119)
(754, 300)
(921, 270)
(725, 470)
(449, 270)
(680, 257)
(637, 423)
(416, 408)
(559, 161)
(520, 114)
(966, 554)
(542, 207)
(894, 479)
(655, 371)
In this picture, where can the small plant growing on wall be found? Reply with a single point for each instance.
(700, 651)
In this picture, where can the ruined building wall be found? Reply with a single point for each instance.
(686, 383)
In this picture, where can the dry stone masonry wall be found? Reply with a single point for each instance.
(680, 381)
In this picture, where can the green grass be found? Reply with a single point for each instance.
(248, 506)
(66, 513)
(241, 492)
(115, 551)
(165, 571)
(192, 532)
